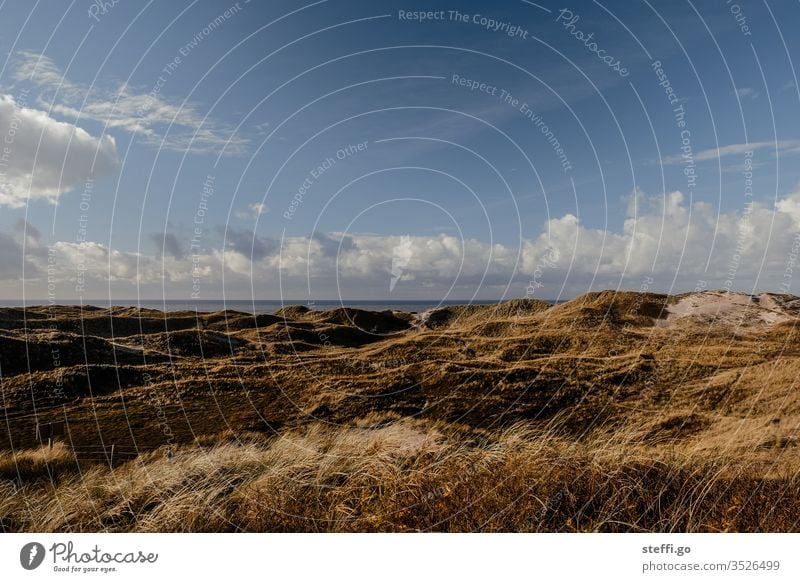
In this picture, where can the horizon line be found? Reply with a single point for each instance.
(94, 301)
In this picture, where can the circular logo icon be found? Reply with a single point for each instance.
(31, 555)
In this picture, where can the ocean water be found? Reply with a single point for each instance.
(259, 306)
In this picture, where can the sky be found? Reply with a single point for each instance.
(396, 150)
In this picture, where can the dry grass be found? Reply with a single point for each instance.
(611, 412)
(399, 476)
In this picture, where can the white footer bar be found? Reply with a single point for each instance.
(402, 557)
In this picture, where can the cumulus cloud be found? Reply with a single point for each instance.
(791, 206)
(253, 211)
(41, 158)
(90, 265)
(96, 261)
(664, 239)
(248, 244)
(675, 243)
(147, 112)
(372, 262)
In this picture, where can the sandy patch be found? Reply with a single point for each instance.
(737, 309)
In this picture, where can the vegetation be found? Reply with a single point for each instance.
(613, 412)
(397, 476)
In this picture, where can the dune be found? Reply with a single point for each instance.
(629, 390)
(734, 309)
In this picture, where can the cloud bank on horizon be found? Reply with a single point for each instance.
(336, 149)
(670, 243)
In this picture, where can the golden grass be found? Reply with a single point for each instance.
(398, 476)
(600, 414)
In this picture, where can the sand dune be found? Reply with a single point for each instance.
(734, 309)
(697, 377)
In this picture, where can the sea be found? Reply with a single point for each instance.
(259, 306)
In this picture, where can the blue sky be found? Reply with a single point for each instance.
(458, 189)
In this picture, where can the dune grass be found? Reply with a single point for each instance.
(399, 476)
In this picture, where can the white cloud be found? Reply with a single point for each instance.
(94, 264)
(146, 112)
(666, 238)
(41, 158)
(788, 146)
(253, 210)
(747, 93)
(791, 206)
(94, 260)
(673, 241)
(438, 260)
